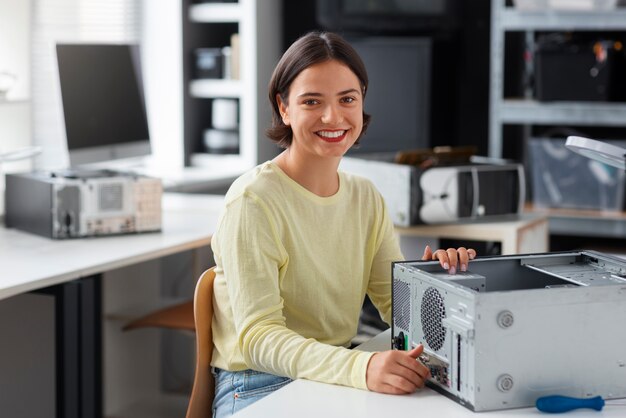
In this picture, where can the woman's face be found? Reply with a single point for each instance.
(324, 110)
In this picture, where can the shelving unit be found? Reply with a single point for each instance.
(210, 25)
(526, 112)
(521, 111)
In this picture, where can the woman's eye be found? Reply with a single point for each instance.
(310, 102)
(348, 99)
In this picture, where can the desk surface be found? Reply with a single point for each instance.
(304, 399)
(31, 262)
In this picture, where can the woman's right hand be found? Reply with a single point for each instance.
(450, 258)
(396, 372)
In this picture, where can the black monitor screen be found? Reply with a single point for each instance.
(398, 95)
(102, 95)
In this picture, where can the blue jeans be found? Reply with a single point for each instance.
(236, 390)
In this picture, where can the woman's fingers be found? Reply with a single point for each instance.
(396, 372)
(428, 253)
(452, 259)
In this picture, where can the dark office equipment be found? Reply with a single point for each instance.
(103, 102)
(579, 70)
(398, 96)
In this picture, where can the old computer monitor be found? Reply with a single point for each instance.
(103, 102)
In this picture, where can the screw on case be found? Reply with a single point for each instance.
(505, 383)
(505, 319)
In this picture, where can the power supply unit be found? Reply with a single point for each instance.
(515, 328)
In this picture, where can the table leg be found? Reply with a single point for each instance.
(78, 310)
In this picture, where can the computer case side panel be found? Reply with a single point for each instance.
(27, 204)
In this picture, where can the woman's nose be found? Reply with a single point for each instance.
(332, 114)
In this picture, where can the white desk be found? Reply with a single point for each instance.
(71, 270)
(518, 235)
(31, 262)
(306, 399)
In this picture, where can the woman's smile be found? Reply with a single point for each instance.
(332, 135)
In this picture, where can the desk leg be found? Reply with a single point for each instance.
(78, 308)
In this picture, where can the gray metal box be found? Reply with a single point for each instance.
(515, 328)
(79, 203)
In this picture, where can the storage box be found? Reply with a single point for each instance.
(560, 178)
(443, 194)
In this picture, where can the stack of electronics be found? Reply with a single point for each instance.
(514, 329)
(442, 185)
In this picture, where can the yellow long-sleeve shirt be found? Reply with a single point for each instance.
(292, 271)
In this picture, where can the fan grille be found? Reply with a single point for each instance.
(401, 304)
(433, 311)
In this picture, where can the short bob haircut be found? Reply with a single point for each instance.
(312, 48)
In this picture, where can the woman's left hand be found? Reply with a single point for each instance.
(451, 258)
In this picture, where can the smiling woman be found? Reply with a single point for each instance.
(300, 244)
(324, 110)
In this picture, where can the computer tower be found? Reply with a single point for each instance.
(515, 328)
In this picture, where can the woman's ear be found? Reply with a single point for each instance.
(283, 109)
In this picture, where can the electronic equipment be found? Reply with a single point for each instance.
(103, 102)
(74, 204)
(513, 329)
(579, 68)
(444, 193)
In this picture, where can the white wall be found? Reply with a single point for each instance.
(161, 56)
(14, 44)
(15, 131)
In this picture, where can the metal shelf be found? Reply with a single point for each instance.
(215, 13)
(514, 19)
(590, 223)
(574, 113)
(529, 112)
(208, 88)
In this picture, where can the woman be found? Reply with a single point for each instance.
(300, 244)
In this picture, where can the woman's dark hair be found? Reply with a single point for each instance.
(312, 48)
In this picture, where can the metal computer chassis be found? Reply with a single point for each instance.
(515, 328)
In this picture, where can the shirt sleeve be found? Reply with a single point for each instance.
(388, 251)
(253, 260)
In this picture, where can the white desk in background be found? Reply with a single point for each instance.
(71, 271)
(522, 234)
(307, 399)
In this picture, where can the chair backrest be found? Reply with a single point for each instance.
(201, 401)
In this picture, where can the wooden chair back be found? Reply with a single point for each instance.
(201, 400)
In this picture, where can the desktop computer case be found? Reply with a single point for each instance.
(514, 328)
(444, 194)
(82, 203)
